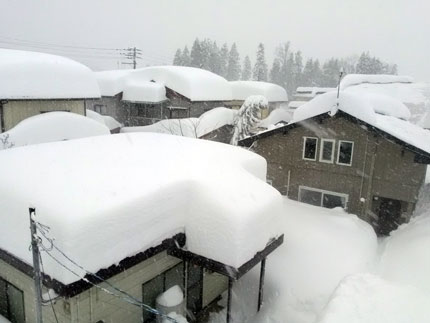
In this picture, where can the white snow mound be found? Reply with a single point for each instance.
(171, 297)
(273, 92)
(32, 75)
(355, 79)
(108, 121)
(53, 126)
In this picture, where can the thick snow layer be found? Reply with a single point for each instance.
(171, 297)
(103, 206)
(108, 121)
(313, 91)
(276, 116)
(272, 92)
(365, 298)
(365, 109)
(178, 317)
(52, 126)
(295, 104)
(32, 75)
(194, 83)
(4, 320)
(190, 127)
(134, 86)
(355, 79)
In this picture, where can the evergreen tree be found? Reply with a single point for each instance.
(317, 73)
(224, 60)
(177, 60)
(233, 67)
(275, 72)
(186, 60)
(260, 67)
(282, 53)
(298, 68)
(364, 64)
(196, 59)
(290, 79)
(215, 59)
(206, 49)
(246, 71)
(307, 75)
(331, 69)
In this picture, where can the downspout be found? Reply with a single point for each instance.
(372, 168)
(363, 175)
(288, 181)
(3, 129)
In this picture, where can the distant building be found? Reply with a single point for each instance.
(32, 83)
(305, 94)
(241, 90)
(362, 156)
(147, 95)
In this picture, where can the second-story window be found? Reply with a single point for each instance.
(310, 148)
(327, 150)
(345, 152)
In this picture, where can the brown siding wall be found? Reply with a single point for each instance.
(393, 173)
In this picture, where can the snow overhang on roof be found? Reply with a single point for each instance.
(356, 79)
(102, 210)
(28, 75)
(243, 89)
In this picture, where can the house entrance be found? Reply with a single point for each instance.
(389, 215)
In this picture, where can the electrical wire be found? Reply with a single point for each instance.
(128, 298)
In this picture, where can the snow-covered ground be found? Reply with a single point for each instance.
(332, 269)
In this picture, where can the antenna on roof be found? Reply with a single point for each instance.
(338, 85)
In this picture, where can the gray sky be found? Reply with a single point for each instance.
(395, 30)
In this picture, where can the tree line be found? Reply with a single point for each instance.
(289, 69)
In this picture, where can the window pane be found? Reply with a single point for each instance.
(3, 298)
(310, 197)
(310, 148)
(194, 298)
(16, 304)
(331, 201)
(175, 276)
(153, 111)
(151, 290)
(194, 274)
(345, 152)
(327, 151)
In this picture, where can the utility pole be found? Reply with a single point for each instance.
(36, 265)
(132, 54)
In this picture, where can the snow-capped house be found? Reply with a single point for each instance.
(162, 212)
(32, 83)
(305, 94)
(241, 90)
(359, 153)
(416, 96)
(147, 95)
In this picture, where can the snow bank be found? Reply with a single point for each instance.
(53, 126)
(243, 89)
(190, 127)
(365, 298)
(32, 75)
(406, 256)
(103, 206)
(171, 297)
(295, 104)
(108, 121)
(355, 79)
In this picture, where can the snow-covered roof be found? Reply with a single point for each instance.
(273, 92)
(275, 117)
(32, 75)
(304, 91)
(107, 121)
(101, 210)
(194, 83)
(355, 79)
(52, 126)
(190, 127)
(381, 112)
(295, 104)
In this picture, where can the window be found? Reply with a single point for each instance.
(310, 148)
(11, 302)
(159, 284)
(327, 150)
(322, 198)
(344, 153)
(100, 108)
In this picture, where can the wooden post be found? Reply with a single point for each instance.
(230, 286)
(260, 290)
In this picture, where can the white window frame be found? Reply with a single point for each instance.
(332, 150)
(346, 196)
(338, 152)
(304, 148)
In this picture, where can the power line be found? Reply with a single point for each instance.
(49, 295)
(129, 298)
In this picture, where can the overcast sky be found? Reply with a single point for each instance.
(397, 31)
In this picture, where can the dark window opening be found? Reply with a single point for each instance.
(322, 198)
(310, 148)
(100, 108)
(11, 302)
(327, 147)
(345, 152)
